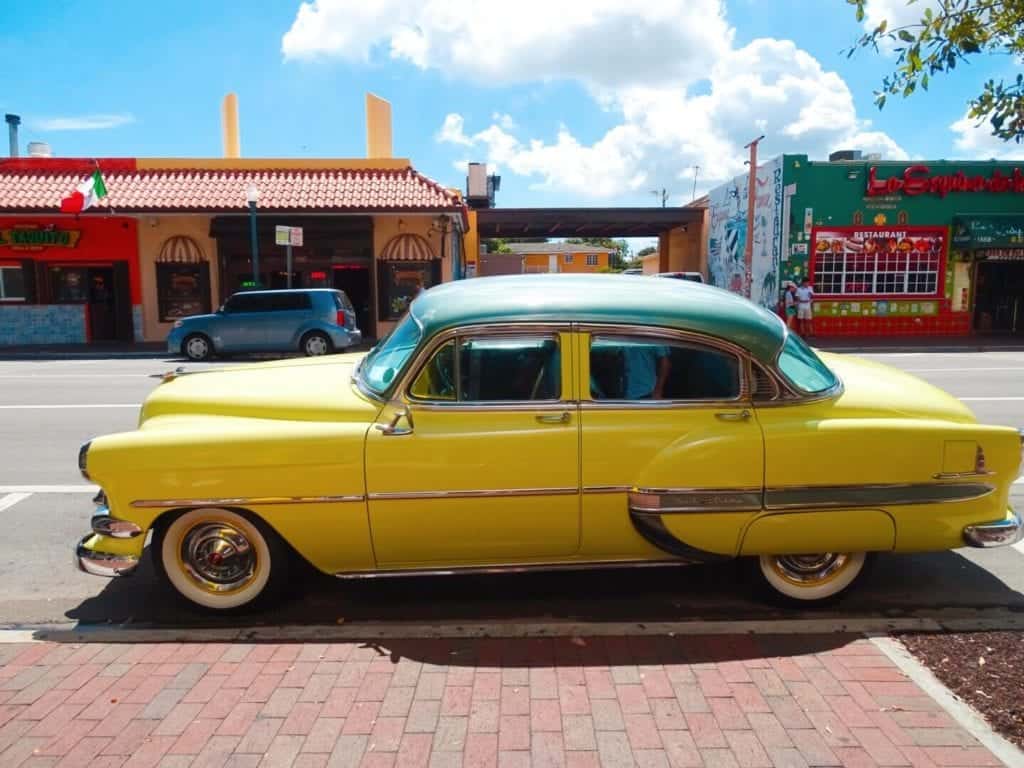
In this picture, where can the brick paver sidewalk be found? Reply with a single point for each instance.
(647, 701)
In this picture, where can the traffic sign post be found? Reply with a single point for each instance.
(288, 236)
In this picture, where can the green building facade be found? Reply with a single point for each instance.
(891, 248)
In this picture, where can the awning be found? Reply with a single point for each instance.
(407, 247)
(982, 231)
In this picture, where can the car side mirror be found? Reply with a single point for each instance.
(401, 411)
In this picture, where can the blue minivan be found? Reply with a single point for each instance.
(314, 321)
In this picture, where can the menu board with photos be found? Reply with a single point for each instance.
(868, 261)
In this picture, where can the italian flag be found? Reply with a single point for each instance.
(90, 192)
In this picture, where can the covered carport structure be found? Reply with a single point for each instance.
(679, 230)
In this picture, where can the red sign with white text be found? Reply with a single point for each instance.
(919, 180)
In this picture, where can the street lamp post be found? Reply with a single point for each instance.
(252, 195)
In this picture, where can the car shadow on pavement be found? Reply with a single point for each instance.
(934, 584)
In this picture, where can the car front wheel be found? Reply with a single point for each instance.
(221, 560)
(810, 579)
(197, 347)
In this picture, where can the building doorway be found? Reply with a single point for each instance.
(999, 297)
(354, 280)
(105, 292)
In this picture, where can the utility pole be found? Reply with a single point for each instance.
(663, 194)
(748, 250)
(696, 171)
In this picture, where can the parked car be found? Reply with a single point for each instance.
(632, 271)
(693, 277)
(549, 422)
(314, 321)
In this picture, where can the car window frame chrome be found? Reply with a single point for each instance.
(491, 330)
(670, 334)
(803, 397)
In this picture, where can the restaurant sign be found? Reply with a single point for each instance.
(919, 180)
(991, 231)
(37, 238)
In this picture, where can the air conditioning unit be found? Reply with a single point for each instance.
(476, 181)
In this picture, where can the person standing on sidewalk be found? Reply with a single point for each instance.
(805, 308)
(789, 305)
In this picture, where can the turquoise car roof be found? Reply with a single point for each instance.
(601, 298)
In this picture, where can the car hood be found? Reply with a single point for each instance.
(198, 318)
(309, 389)
(871, 388)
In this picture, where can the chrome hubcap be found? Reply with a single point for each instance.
(197, 348)
(808, 569)
(316, 345)
(218, 557)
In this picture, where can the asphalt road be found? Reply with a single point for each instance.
(49, 407)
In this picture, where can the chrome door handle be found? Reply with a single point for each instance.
(733, 415)
(554, 418)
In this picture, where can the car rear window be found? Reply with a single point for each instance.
(803, 368)
(341, 301)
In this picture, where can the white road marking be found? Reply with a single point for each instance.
(1019, 546)
(37, 406)
(946, 370)
(1019, 481)
(987, 399)
(29, 489)
(8, 501)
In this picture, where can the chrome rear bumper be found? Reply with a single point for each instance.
(103, 563)
(1000, 533)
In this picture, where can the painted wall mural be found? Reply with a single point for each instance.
(727, 238)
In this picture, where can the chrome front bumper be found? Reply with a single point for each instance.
(1000, 533)
(103, 563)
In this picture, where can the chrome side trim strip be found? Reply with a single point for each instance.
(960, 475)
(895, 494)
(498, 492)
(456, 570)
(607, 488)
(244, 501)
(658, 501)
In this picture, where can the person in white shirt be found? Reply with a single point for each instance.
(804, 308)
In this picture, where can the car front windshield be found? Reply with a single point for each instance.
(803, 368)
(379, 368)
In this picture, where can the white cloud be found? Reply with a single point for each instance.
(668, 68)
(83, 122)
(602, 43)
(769, 86)
(974, 138)
(898, 13)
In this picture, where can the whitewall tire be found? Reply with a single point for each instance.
(809, 579)
(219, 559)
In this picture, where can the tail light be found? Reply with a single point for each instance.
(341, 318)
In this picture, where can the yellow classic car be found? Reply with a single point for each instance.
(549, 422)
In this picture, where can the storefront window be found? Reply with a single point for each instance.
(69, 285)
(12, 284)
(867, 262)
(182, 290)
(400, 283)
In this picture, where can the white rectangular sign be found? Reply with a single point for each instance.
(282, 235)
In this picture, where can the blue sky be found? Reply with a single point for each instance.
(636, 108)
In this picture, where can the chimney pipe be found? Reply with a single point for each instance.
(229, 126)
(378, 127)
(13, 121)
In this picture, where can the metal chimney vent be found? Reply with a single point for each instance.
(39, 149)
(13, 121)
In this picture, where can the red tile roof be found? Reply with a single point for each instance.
(33, 186)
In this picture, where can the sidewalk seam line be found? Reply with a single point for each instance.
(959, 710)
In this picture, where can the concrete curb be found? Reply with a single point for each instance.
(960, 711)
(121, 633)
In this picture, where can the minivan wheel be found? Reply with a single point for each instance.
(315, 344)
(197, 347)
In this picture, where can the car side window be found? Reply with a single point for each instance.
(286, 302)
(650, 368)
(242, 302)
(490, 369)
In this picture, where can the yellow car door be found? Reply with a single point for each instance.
(672, 454)
(477, 460)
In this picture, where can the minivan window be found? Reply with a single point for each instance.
(803, 368)
(247, 302)
(285, 302)
(378, 370)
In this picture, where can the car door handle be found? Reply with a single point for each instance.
(733, 415)
(553, 418)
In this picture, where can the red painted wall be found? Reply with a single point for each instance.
(103, 239)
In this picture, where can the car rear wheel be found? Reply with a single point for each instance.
(315, 344)
(220, 559)
(810, 579)
(197, 347)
